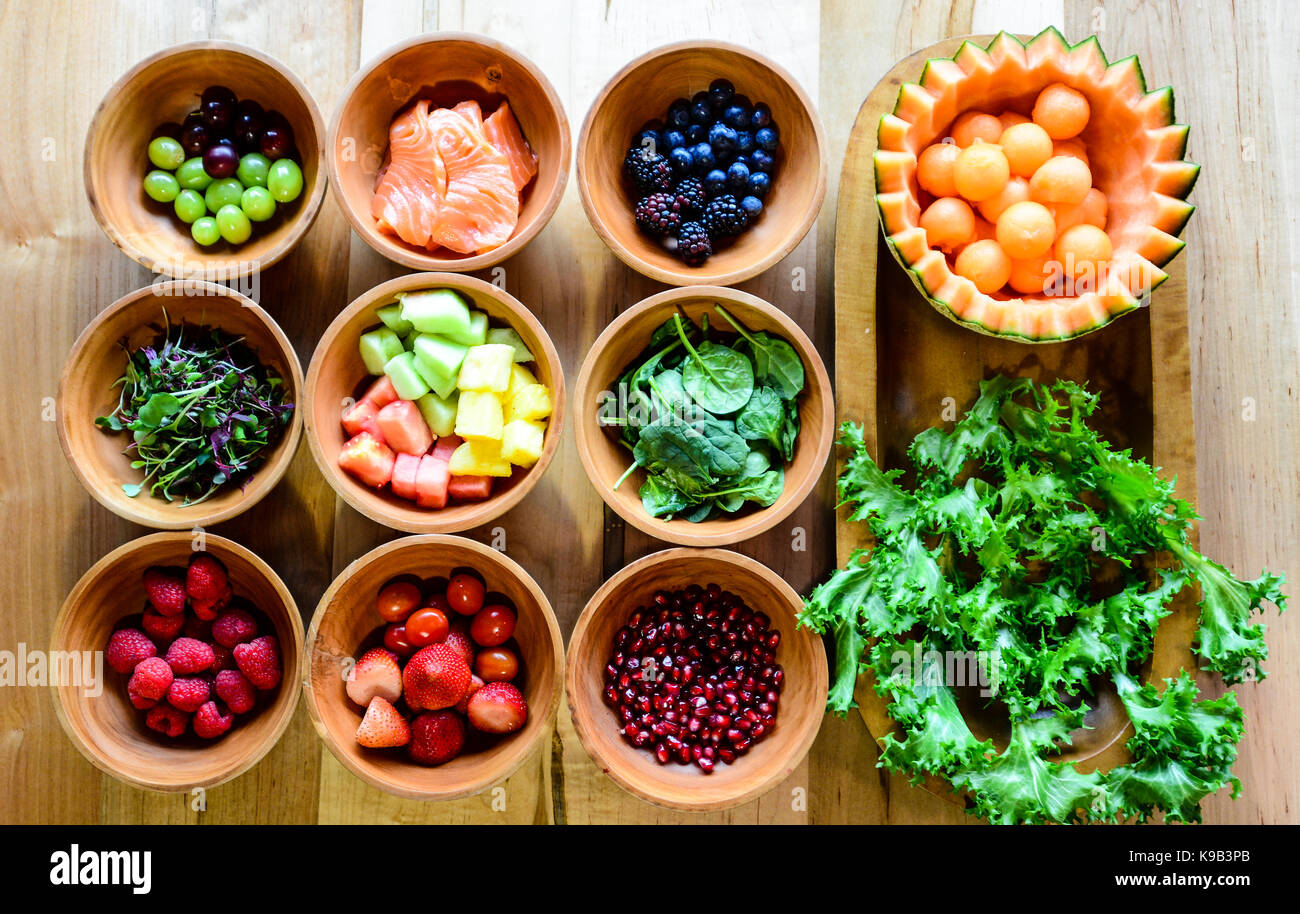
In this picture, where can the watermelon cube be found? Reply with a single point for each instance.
(487, 367)
(521, 442)
(479, 458)
(378, 347)
(381, 392)
(479, 415)
(438, 412)
(431, 483)
(533, 401)
(404, 428)
(470, 488)
(445, 447)
(405, 468)
(368, 459)
(360, 417)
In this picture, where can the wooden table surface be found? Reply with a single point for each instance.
(1234, 68)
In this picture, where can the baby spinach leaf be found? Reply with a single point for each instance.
(775, 361)
(661, 499)
(763, 417)
(717, 377)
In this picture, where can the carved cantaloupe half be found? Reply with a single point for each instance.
(1135, 152)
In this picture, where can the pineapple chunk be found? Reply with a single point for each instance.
(521, 442)
(520, 377)
(533, 401)
(487, 367)
(478, 458)
(479, 415)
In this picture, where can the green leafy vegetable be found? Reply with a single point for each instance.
(1026, 543)
(717, 377)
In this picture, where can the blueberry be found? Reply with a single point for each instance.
(761, 117)
(752, 206)
(738, 174)
(647, 137)
(759, 183)
(767, 138)
(702, 154)
(681, 160)
(715, 182)
(673, 139)
(723, 139)
(696, 133)
(744, 142)
(679, 113)
(720, 92)
(761, 160)
(701, 108)
(736, 115)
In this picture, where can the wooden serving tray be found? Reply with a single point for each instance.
(897, 360)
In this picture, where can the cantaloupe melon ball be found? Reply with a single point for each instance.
(1027, 147)
(1061, 179)
(1015, 190)
(1030, 277)
(981, 171)
(949, 222)
(1072, 147)
(1092, 211)
(985, 264)
(1011, 118)
(1083, 249)
(934, 168)
(1061, 111)
(975, 125)
(1026, 230)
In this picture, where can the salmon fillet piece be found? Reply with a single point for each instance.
(503, 132)
(480, 208)
(409, 195)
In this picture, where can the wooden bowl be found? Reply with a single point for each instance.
(346, 618)
(642, 91)
(446, 68)
(605, 459)
(166, 87)
(97, 360)
(111, 733)
(686, 787)
(337, 376)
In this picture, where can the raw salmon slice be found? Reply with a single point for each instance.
(409, 195)
(480, 208)
(503, 132)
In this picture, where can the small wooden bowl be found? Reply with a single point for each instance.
(166, 87)
(642, 91)
(111, 733)
(686, 787)
(446, 68)
(97, 360)
(605, 459)
(346, 617)
(337, 376)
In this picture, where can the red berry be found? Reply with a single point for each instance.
(166, 720)
(498, 707)
(127, 647)
(437, 737)
(459, 641)
(160, 627)
(166, 591)
(188, 655)
(188, 693)
(236, 691)
(209, 722)
(205, 579)
(234, 626)
(223, 658)
(475, 684)
(259, 660)
(436, 677)
(375, 674)
(150, 681)
(383, 727)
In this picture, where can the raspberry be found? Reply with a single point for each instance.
(167, 720)
(209, 722)
(166, 591)
(223, 658)
(127, 647)
(723, 217)
(160, 627)
(693, 244)
(657, 215)
(649, 171)
(259, 660)
(150, 682)
(187, 655)
(207, 609)
(205, 580)
(188, 693)
(234, 626)
(690, 197)
(236, 691)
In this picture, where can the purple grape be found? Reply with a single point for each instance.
(220, 161)
(195, 138)
(247, 140)
(276, 143)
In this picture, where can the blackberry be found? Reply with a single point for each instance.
(649, 171)
(693, 244)
(723, 217)
(658, 215)
(690, 197)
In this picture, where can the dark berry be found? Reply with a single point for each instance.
(745, 142)
(701, 108)
(753, 208)
(723, 217)
(736, 114)
(647, 139)
(738, 175)
(681, 160)
(768, 138)
(761, 117)
(761, 160)
(696, 133)
(690, 197)
(673, 139)
(649, 171)
(658, 215)
(723, 139)
(759, 183)
(679, 113)
(693, 244)
(715, 182)
(720, 92)
(702, 153)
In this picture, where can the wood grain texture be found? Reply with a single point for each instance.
(1233, 68)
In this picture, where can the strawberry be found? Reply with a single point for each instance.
(127, 647)
(236, 691)
(167, 720)
(458, 639)
(498, 707)
(149, 682)
(436, 677)
(209, 722)
(475, 684)
(188, 693)
(205, 579)
(187, 655)
(166, 591)
(375, 674)
(160, 627)
(437, 737)
(259, 660)
(234, 626)
(383, 727)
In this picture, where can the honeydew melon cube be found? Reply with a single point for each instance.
(439, 354)
(441, 311)
(487, 367)
(521, 442)
(479, 415)
(520, 377)
(406, 380)
(377, 347)
(440, 384)
(479, 458)
(408, 340)
(439, 412)
(533, 401)
(391, 315)
(477, 333)
(508, 337)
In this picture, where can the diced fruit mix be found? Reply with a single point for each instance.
(199, 659)
(447, 660)
(230, 164)
(454, 405)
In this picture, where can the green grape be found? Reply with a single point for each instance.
(166, 153)
(223, 192)
(189, 205)
(161, 186)
(253, 169)
(205, 231)
(284, 180)
(234, 225)
(191, 174)
(257, 204)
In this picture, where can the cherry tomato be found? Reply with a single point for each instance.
(427, 626)
(397, 600)
(492, 625)
(497, 664)
(396, 641)
(465, 594)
